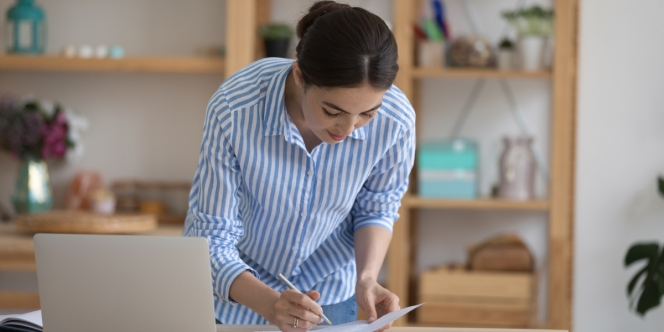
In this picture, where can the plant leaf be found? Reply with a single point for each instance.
(635, 279)
(649, 298)
(641, 251)
(659, 272)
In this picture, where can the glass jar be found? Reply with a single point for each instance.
(126, 194)
(151, 196)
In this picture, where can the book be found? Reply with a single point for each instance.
(30, 322)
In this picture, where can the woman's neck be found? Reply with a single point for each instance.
(293, 96)
(293, 99)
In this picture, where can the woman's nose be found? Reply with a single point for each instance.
(347, 127)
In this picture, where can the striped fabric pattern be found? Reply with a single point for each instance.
(268, 206)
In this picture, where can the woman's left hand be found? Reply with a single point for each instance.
(375, 300)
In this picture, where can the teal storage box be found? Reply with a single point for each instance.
(448, 169)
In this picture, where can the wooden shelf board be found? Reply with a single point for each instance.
(477, 204)
(477, 73)
(191, 65)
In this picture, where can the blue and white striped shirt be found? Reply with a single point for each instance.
(268, 206)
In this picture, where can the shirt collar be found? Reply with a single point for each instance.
(275, 119)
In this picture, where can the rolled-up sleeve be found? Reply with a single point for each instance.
(379, 199)
(214, 208)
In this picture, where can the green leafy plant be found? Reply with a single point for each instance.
(533, 21)
(506, 44)
(651, 289)
(276, 31)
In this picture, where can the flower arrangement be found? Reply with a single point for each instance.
(533, 21)
(41, 130)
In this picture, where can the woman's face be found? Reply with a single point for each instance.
(333, 113)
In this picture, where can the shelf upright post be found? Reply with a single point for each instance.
(563, 118)
(240, 34)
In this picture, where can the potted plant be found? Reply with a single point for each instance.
(505, 54)
(533, 26)
(651, 277)
(277, 37)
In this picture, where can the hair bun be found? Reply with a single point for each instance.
(317, 10)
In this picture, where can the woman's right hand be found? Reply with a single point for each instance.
(297, 312)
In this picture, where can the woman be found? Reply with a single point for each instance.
(302, 169)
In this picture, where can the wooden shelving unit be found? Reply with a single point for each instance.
(183, 65)
(242, 19)
(477, 73)
(558, 207)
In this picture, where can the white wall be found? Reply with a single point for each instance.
(620, 151)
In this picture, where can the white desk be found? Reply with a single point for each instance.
(252, 328)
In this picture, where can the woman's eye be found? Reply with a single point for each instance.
(332, 115)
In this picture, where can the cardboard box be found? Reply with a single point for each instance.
(468, 298)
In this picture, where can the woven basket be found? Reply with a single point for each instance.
(83, 222)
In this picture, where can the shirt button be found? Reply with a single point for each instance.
(310, 172)
(303, 214)
(294, 249)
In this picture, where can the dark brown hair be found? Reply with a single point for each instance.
(344, 46)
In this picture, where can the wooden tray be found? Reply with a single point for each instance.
(83, 222)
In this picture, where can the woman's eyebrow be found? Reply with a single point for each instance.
(330, 105)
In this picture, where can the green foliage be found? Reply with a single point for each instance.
(506, 44)
(651, 289)
(651, 277)
(276, 31)
(533, 21)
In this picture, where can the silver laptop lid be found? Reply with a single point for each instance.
(111, 283)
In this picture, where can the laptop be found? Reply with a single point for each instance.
(113, 283)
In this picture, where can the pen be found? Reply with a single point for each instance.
(291, 286)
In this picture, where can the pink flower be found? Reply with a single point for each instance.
(55, 137)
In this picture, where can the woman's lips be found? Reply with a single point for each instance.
(337, 138)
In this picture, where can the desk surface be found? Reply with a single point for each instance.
(252, 328)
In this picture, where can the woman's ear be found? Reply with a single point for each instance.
(297, 75)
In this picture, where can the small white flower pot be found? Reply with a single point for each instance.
(431, 54)
(505, 60)
(531, 52)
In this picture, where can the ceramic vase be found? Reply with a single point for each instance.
(517, 169)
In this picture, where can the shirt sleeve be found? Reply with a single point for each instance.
(380, 198)
(214, 204)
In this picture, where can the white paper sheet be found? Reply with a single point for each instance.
(363, 326)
